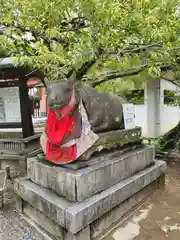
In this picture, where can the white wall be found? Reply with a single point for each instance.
(11, 104)
(168, 116)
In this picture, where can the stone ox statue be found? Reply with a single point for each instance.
(77, 112)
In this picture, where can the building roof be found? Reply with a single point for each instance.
(7, 63)
(10, 70)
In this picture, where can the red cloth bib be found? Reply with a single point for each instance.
(57, 129)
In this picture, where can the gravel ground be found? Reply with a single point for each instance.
(12, 224)
(14, 227)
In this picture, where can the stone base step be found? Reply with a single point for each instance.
(101, 173)
(74, 217)
(98, 229)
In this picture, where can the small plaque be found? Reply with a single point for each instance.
(129, 115)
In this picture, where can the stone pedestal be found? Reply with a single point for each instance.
(14, 152)
(99, 174)
(83, 204)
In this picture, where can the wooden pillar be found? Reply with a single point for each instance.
(26, 118)
(43, 102)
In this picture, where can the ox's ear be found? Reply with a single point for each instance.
(45, 82)
(72, 78)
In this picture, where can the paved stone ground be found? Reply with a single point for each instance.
(159, 217)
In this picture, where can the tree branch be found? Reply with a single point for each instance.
(126, 50)
(116, 75)
(171, 81)
(130, 50)
(84, 69)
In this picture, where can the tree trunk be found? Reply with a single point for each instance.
(168, 142)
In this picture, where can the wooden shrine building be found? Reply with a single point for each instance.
(12, 75)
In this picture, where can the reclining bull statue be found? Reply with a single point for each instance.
(77, 114)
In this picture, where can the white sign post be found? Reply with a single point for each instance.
(129, 115)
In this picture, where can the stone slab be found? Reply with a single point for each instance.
(80, 215)
(104, 224)
(98, 228)
(52, 229)
(100, 174)
(43, 222)
(76, 216)
(44, 200)
(113, 139)
(78, 164)
(84, 234)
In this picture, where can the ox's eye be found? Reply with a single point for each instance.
(67, 90)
